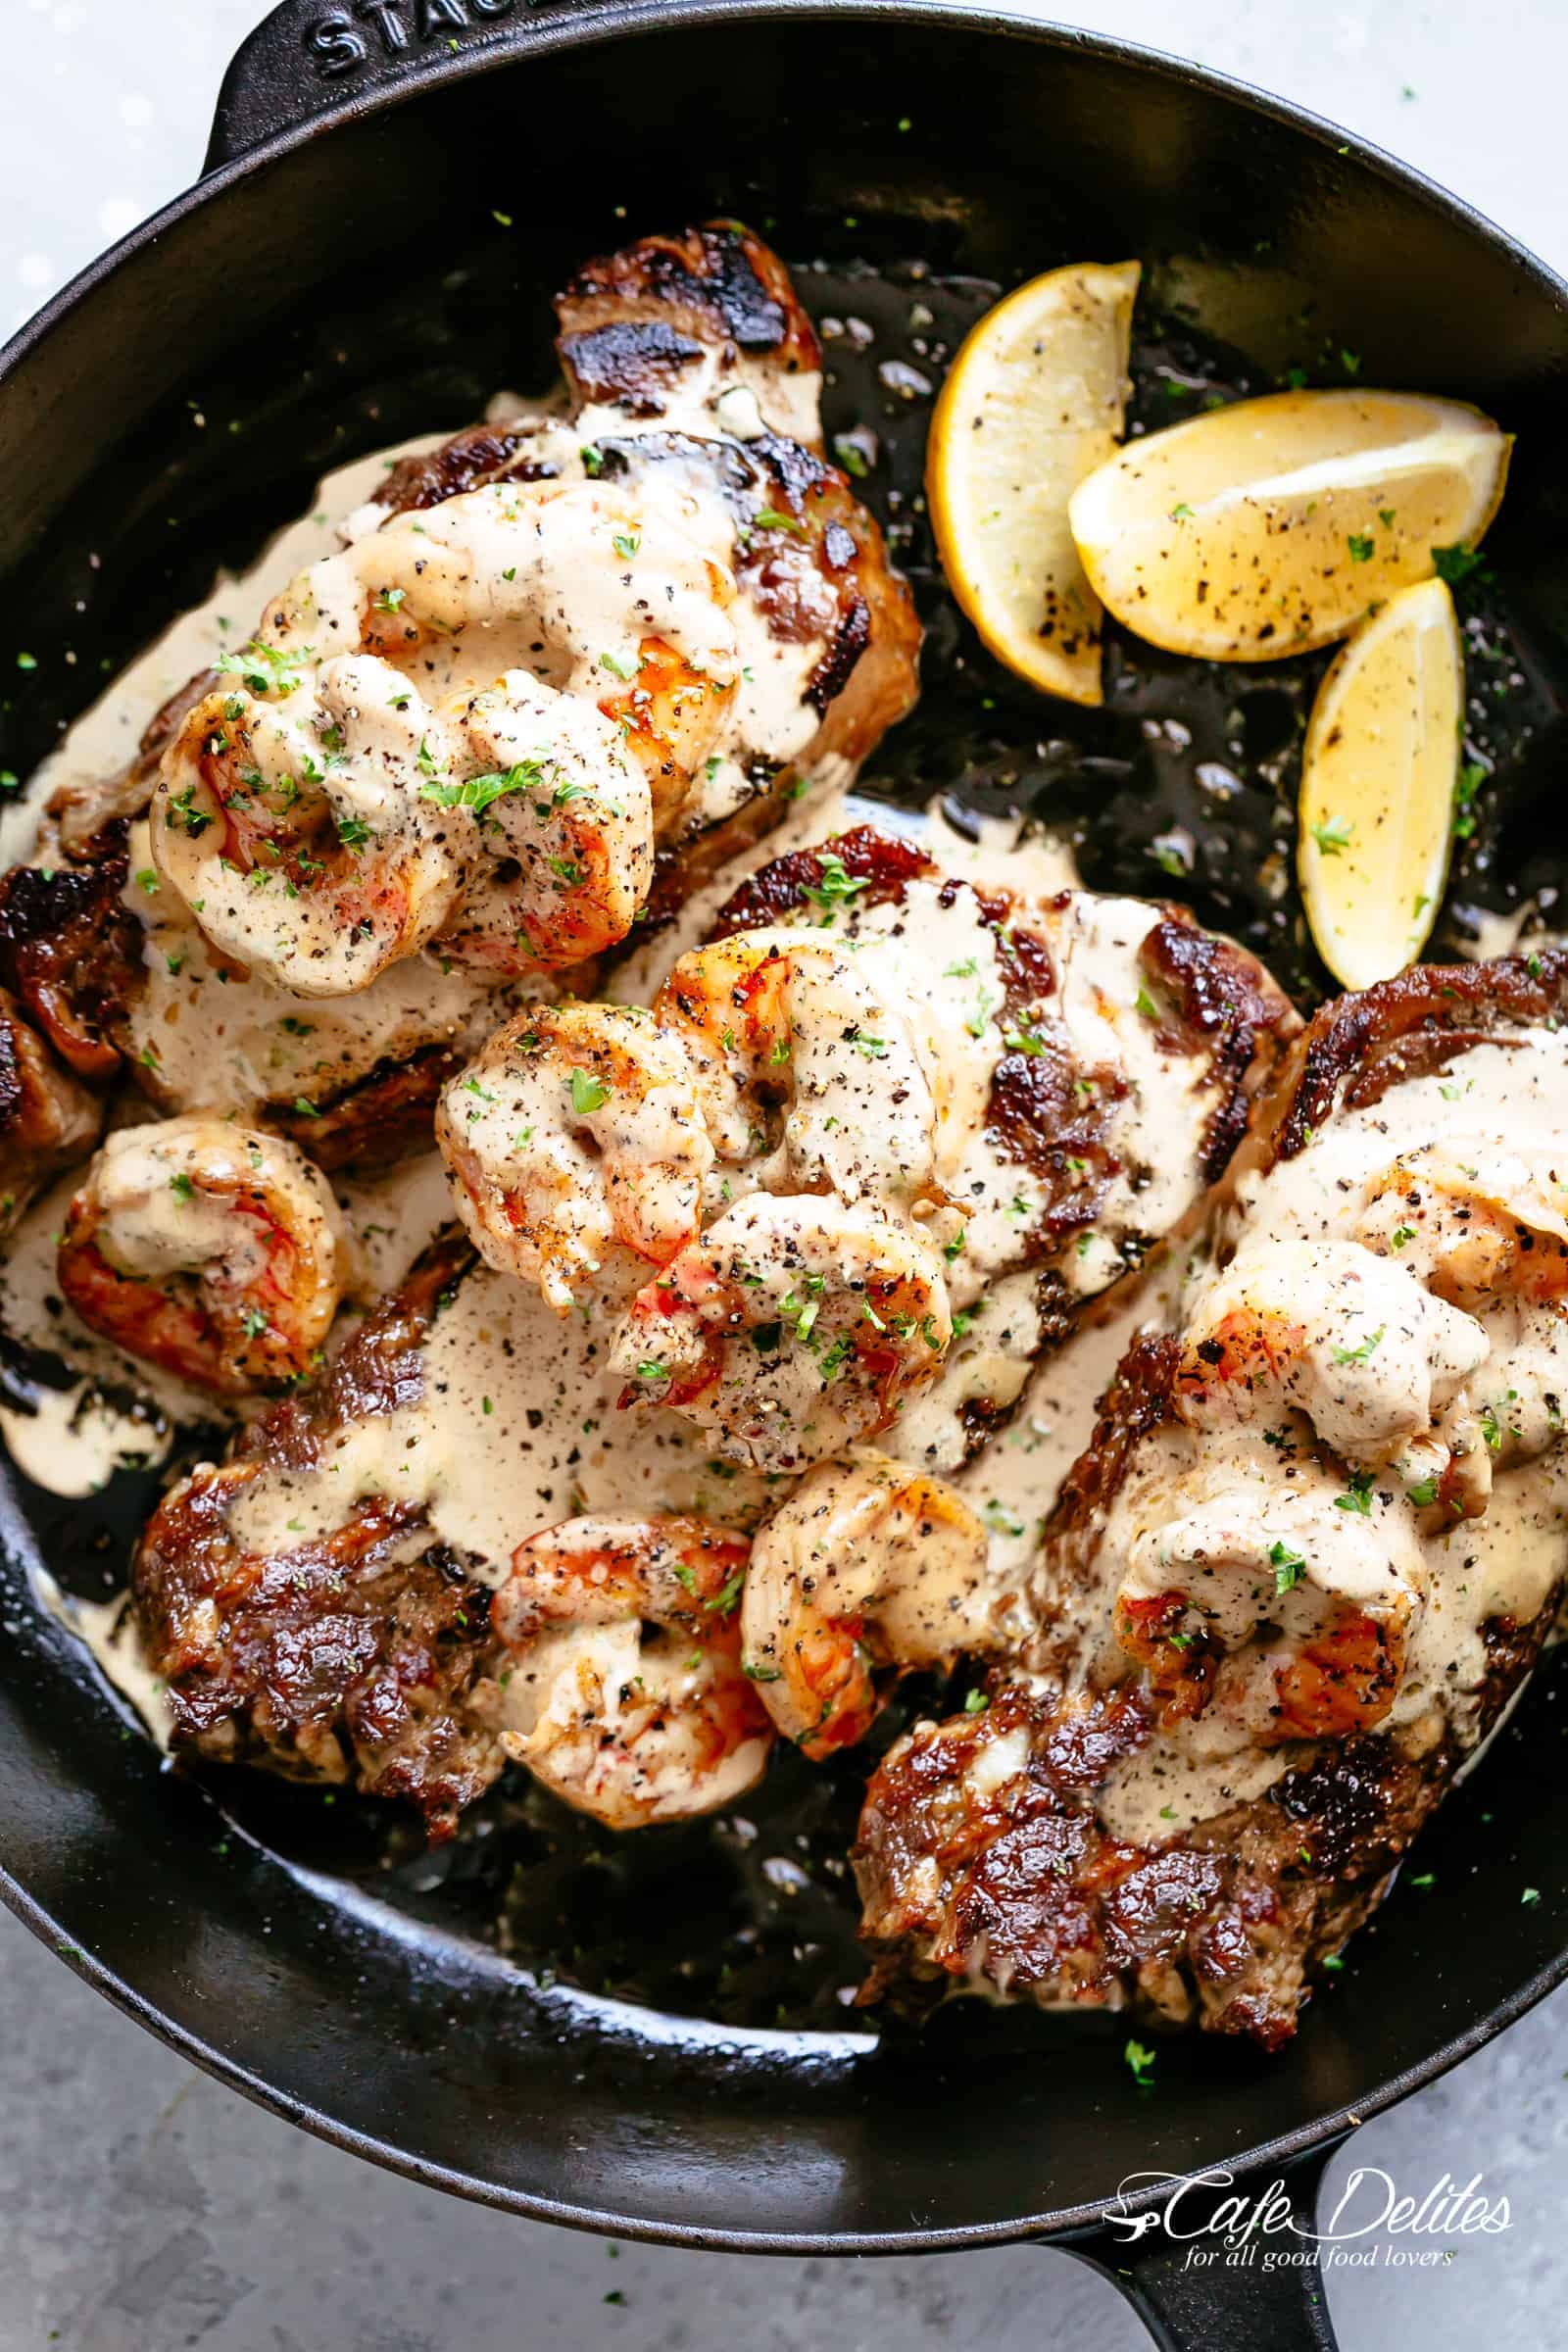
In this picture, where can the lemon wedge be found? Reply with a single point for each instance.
(1034, 401)
(1378, 777)
(1273, 526)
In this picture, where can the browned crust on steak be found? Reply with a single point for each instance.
(1406, 1028)
(1047, 1112)
(631, 321)
(47, 1116)
(1226, 1924)
(480, 454)
(70, 952)
(1228, 1921)
(380, 1119)
(884, 862)
(819, 569)
(349, 1658)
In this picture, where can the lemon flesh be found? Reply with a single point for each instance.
(1035, 400)
(1274, 525)
(1378, 777)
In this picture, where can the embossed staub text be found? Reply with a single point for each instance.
(340, 40)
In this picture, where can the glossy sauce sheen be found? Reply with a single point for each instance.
(1182, 786)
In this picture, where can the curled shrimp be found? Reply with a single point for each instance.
(625, 1692)
(556, 648)
(565, 832)
(575, 1130)
(1347, 1337)
(1342, 1683)
(868, 1565)
(1474, 1220)
(793, 1327)
(1273, 1613)
(809, 1079)
(214, 1252)
(314, 867)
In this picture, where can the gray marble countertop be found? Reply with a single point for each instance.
(148, 2208)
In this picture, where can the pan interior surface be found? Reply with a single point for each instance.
(654, 2032)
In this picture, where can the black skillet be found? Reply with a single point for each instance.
(342, 276)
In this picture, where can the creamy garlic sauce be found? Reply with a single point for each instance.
(1213, 1508)
(518, 1427)
(108, 1630)
(1013, 1484)
(214, 1038)
(519, 1424)
(104, 739)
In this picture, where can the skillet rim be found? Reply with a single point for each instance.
(579, 26)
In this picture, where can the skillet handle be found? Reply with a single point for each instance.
(1199, 2289)
(311, 57)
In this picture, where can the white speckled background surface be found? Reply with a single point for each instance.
(144, 2207)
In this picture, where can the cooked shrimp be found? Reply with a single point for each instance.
(294, 840)
(215, 1251)
(1347, 1337)
(1255, 1603)
(565, 832)
(1476, 1221)
(558, 648)
(625, 1695)
(1343, 1683)
(868, 1565)
(576, 1130)
(591, 589)
(793, 1327)
(810, 1081)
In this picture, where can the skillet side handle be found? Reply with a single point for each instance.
(310, 56)
(1197, 2291)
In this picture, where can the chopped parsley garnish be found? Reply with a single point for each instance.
(479, 792)
(262, 668)
(1454, 564)
(353, 832)
(774, 518)
(1364, 1352)
(1361, 548)
(182, 1187)
(1289, 1567)
(1001, 1520)
(195, 820)
(1333, 835)
(147, 880)
(616, 668)
(253, 1323)
(976, 1703)
(1359, 1497)
(306, 1108)
(834, 884)
(1023, 1038)
(1141, 2058)
(626, 543)
(588, 1094)
(1423, 1493)
(1402, 1236)
(1472, 775)
(387, 600)
(1144, 1003)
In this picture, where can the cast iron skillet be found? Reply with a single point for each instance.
(336, 280)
